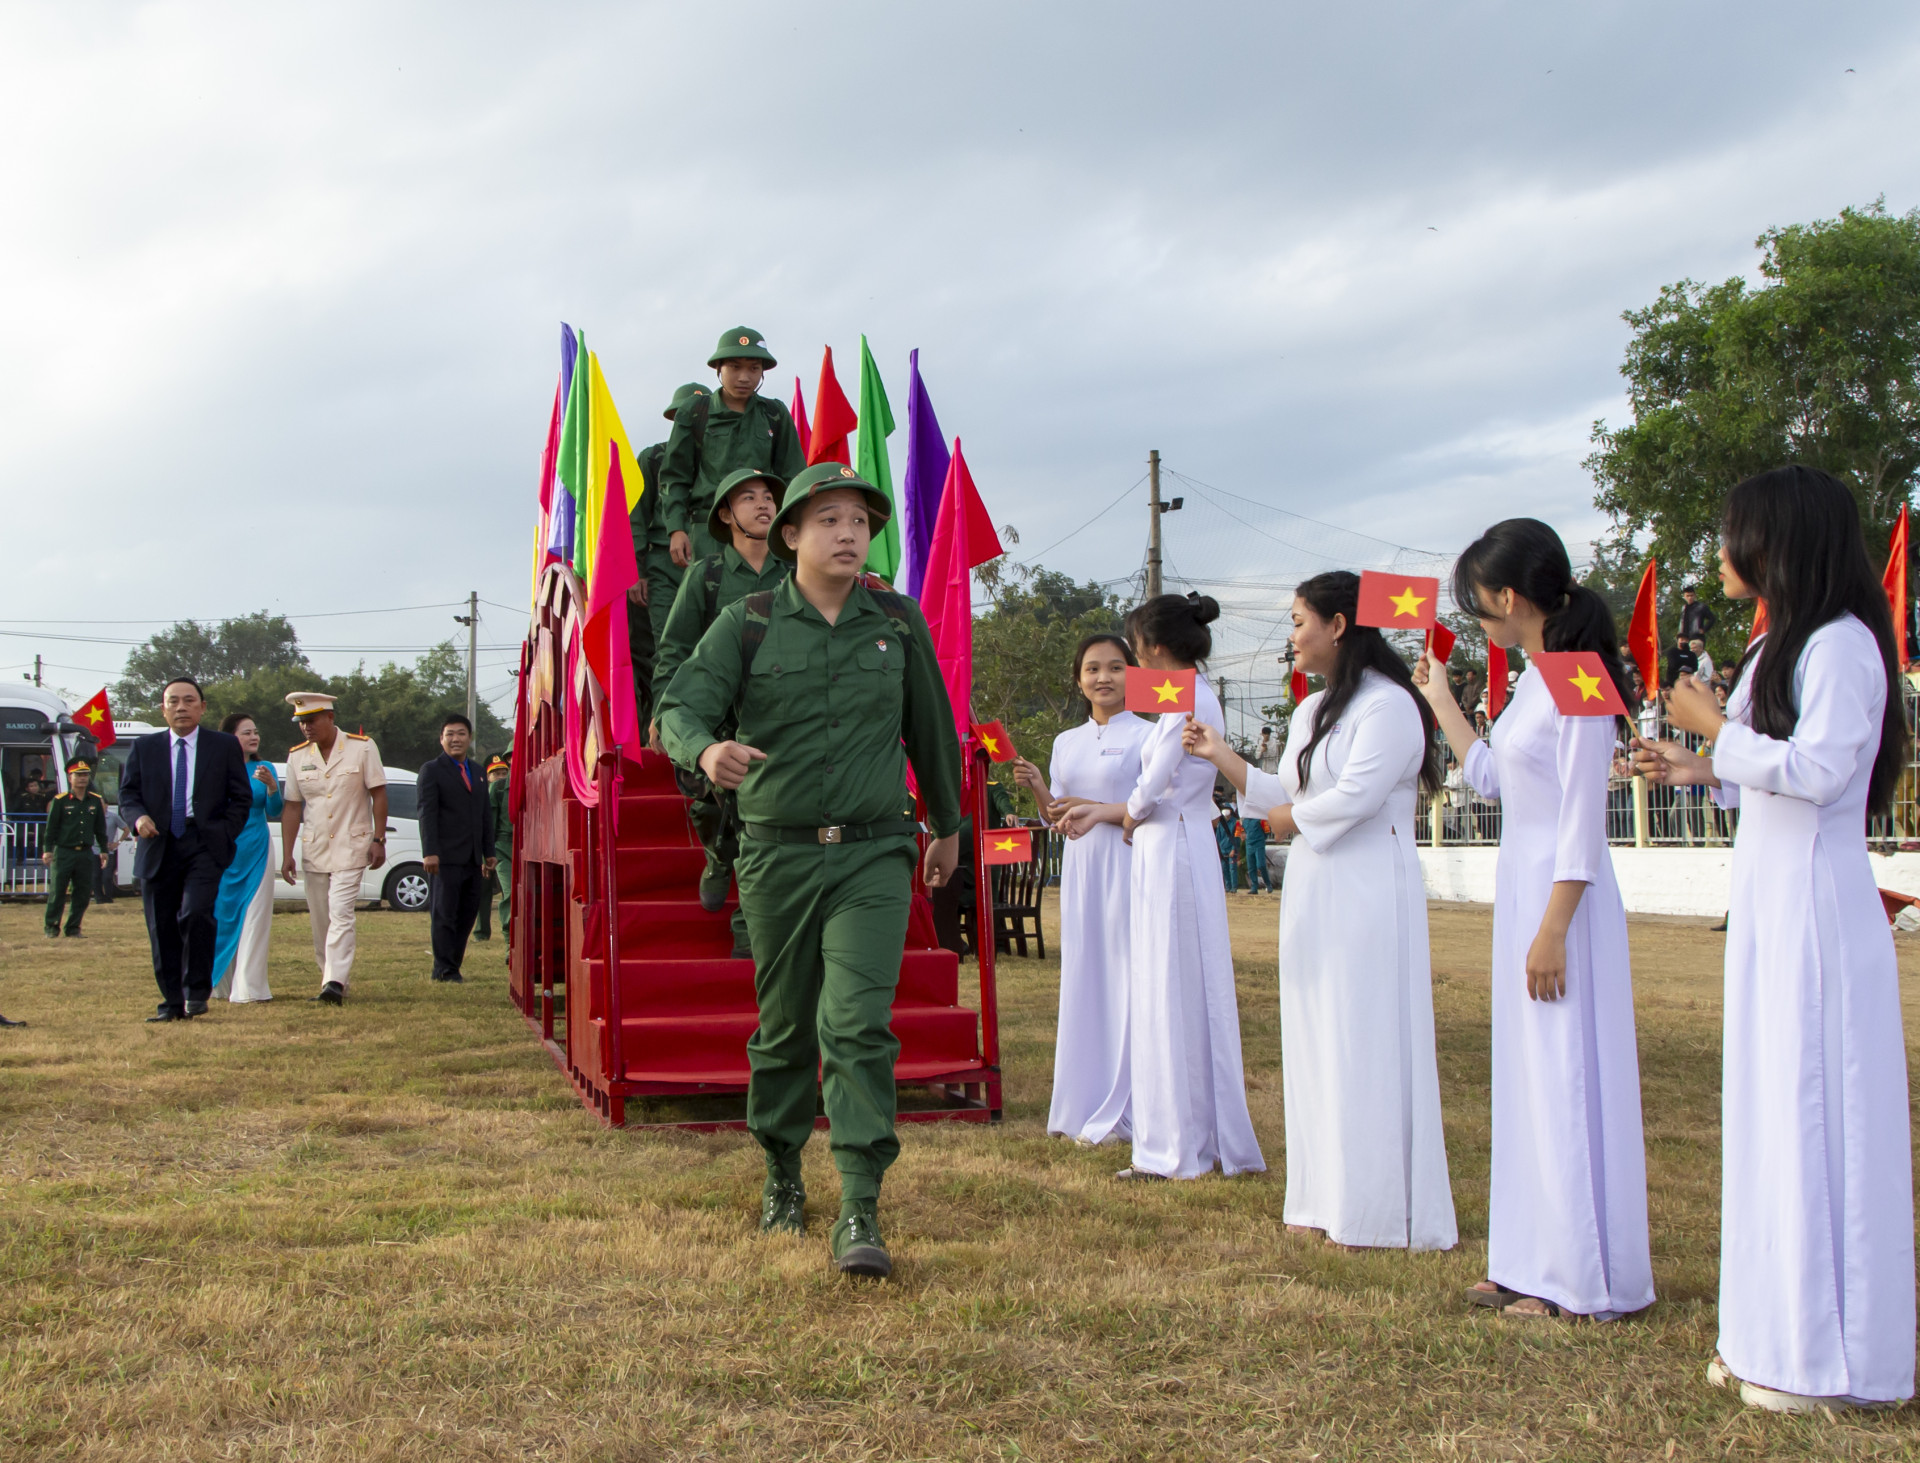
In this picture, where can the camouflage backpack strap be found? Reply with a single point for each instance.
(710, 575)
(753, 629)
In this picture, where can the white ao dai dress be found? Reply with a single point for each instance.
(1816, 1224)
(1183, 1023)
(1567, 1208)
(1090, 1086)
(1366, 1156)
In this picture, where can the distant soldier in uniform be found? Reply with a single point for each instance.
(336, 809)
(499, 771)
(76, 828)
(714, 436)
(649, 601)
(742, 513)
(834, 688)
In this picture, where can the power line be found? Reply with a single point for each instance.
(1031, 562)
(221, 619)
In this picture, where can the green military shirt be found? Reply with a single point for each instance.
(697, 458)
(701, 599)
(75, 822)
(830, 705)
(502, 824)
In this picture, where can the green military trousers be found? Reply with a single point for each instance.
(642, 644)
(663, 583)
(829, 925)
(72, 873)
(715, 816)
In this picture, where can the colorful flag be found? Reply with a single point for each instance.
(571, 470)
(833, 417)
(1496, 679)
(606, 440)
(562, 512)
(963, 539)
(873, 464)
(1579, 683)
(1895, 580)
(1152, 690)
(1643, 630)
(604, 633)
(1440, 642)
(97, 717)
(1007, 846)
(923, 483)
(1398, 601)
(800, 415)
(993, 738)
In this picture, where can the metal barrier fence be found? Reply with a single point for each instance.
(23, 875)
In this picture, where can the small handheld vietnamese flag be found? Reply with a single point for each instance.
(1398, 601)
(1580, 684)
(1151, 690)
(993, 739)
(1298, 686)
(1007, 846)
(1440, 642)
(97, 718)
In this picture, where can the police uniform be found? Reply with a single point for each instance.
(502, 843)
(653, 552)
(334, 793)
(827, 851)
(708, 444)
(710, 585)
(76, 827)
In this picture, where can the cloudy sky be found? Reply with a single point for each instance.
(282, 285)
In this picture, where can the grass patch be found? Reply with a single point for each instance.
(388, 1231)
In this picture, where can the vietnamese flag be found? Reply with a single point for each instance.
(1895, 580)
(833, 418)
(1151, 690)
(992, 736)
(1496, 679)
(1579, 683)
(1643, 632)
(97, 717)
(1440, 642)
(1759, 621)
(1398, 601)
(1007, 846)
(1298, 686)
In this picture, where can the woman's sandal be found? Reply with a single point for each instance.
(1548, 1311)
(1719, 1374)
(1492, 1294)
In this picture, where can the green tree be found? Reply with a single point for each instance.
(1819, 365)
(208, 653)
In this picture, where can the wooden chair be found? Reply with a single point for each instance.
(1017, 892)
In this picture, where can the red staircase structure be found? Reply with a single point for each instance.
(649, 1004)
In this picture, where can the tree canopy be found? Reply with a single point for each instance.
(1819, 365)
(208, 653)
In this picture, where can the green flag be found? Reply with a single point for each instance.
(575, 436)
(871, 462)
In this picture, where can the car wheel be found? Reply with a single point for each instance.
(406, 889)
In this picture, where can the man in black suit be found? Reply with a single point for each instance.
(456, 843)
(184, 792)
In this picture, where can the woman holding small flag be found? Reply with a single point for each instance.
(1084, 795)
(1816, 1248)
(1366, 1157)
(1183, 1024)
(1567, 1212)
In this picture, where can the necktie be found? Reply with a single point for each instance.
(466, 777)
(178, 825)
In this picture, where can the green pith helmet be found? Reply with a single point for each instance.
(682, 396)
(719, 532)
(824, 477)
(742, 344)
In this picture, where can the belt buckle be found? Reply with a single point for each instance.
(830, 835)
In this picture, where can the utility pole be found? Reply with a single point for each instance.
(36, 670)
(471, 619)
(1154, 509)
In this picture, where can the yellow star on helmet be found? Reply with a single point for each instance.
(1406, 602)
(1167, 691)
(1588, 683)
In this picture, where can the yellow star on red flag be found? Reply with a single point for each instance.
(1406, 602)
(1588, 683)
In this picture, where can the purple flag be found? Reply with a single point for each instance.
(926, 477)
(564, 510)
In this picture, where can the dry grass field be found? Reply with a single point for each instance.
(388, 1231)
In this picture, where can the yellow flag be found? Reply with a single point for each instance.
(605, 435)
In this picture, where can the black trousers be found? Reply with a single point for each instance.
(453, 901)
(179, 901)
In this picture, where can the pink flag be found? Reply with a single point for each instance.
(800, 415)
(604, 635)
(963, 539)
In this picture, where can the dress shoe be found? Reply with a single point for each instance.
(53, 934)
(858, 1248)
(167, 1013)
(332, 993)
(783, 1207)
(5, 1022)
(196, 1008)
(454, 979)
(713, 891)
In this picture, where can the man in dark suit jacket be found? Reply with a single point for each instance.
(456, 843)
(184, 792)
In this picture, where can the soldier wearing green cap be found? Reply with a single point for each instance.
(743, 511)
(834, 687)
(740, 428)
(76, 827)
(649, 601)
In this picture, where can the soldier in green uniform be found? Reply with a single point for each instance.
(498, 772)
(735, 427)
(743, 511)
(649, 601)
(834, 687)
(76, 827)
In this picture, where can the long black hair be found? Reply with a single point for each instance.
(1794, 534)
(1526, 556)
(1177, 623)
(1100, 637)
(1362, 648)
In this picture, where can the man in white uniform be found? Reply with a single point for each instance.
(336, 801)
